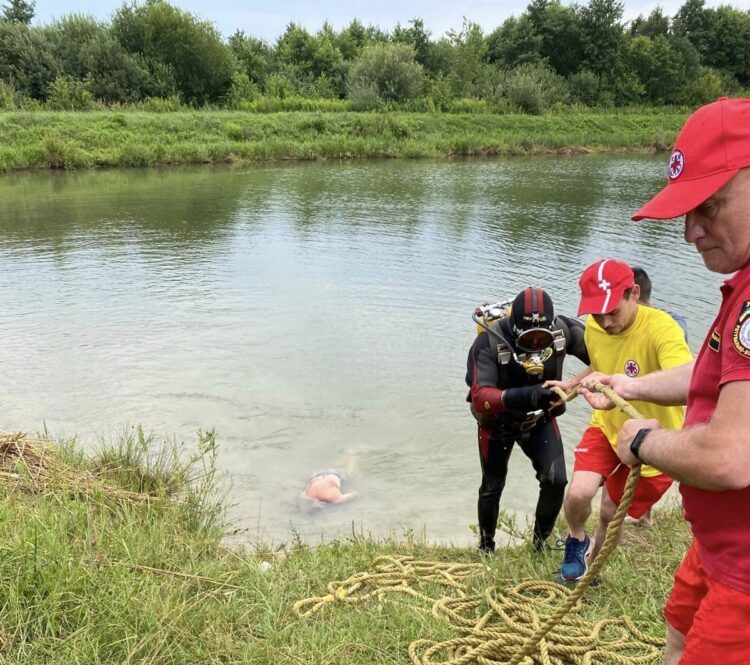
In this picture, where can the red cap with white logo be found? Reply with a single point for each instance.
(713, 145)
(602, 286)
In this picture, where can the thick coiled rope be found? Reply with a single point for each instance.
(392, 575)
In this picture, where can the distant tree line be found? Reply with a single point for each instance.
(550, 55)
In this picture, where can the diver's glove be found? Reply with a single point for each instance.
(528, 398)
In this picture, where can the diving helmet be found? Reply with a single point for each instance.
(531, 318)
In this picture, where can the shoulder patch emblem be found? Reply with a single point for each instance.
(632, 368)
(741, 334)
(714, 342)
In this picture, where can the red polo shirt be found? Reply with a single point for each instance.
(721, 520)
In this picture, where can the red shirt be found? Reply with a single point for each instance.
(721, 520)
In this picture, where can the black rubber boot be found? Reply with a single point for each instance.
(486, 542)
(539, 542)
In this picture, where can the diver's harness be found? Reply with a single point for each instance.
(488, 316)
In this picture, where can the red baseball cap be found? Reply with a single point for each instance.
(713, 145)
(602, 286)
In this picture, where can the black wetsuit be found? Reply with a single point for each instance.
(538, 436)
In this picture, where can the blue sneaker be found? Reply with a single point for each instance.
(576, 561)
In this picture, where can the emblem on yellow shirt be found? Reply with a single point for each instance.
(632, 368)
(741, 334)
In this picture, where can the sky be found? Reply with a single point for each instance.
(268, 19)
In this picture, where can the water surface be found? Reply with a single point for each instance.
(313, 314)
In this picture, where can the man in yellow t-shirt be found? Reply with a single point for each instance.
(621, 337)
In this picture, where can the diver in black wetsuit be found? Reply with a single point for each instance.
(510, 359)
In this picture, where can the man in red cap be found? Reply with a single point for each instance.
(620, 336)
(708, 612)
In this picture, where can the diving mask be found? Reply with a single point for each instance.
(534, 340)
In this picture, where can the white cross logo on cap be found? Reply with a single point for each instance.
(604, 285)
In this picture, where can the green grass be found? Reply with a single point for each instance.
(77, 586)
(42, 139)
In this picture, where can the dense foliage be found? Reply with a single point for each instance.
(550, 55)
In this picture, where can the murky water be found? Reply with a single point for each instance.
(314, 314)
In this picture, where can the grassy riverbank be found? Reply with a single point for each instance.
(136, 138)
(94, 574)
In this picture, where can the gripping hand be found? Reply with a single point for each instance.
(528, 398)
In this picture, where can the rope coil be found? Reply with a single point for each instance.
(392, 575)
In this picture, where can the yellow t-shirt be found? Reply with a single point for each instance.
(654, 341)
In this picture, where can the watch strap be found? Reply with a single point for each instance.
(635, 444)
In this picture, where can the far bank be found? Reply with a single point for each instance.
(74, 140)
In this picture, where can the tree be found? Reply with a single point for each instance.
(26, 59)
(253, 56)
(418, 38)
(656, 24)
(689, 55)
(70, 36)
(470, 71)
(296, 47)
(695, 22)
(328, 62)
(729, 48)
(114, 75)
(721, 36)
(602, 36)
(388, 69)
(560, 34)
(514, 43)
(18, 11)
(172, 40)
(660, 68)
(352, 39)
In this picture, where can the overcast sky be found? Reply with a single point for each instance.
(267, 19)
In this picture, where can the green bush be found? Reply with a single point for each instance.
(389, 69)
(278, 85)
(7, 97)
(62, 154)
(419, 105)
(162, 104)
(364, 96)
(242, 89)
(68, 94)
(584, 87)
(468, 106)
(709, 86)
(136, 154)
(526, 94)
(533, 88)
(325, 88)
(441, 92)
(234, 131)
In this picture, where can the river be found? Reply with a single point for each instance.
(314, 314)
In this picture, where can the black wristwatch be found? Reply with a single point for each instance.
(638, 439)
